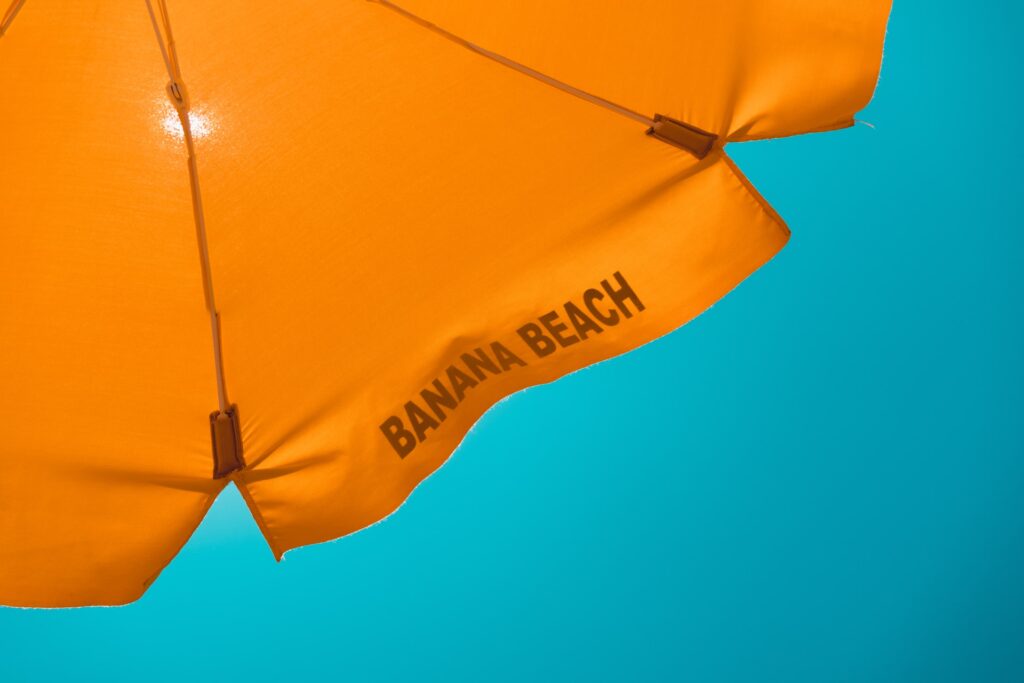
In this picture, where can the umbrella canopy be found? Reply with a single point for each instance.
(304, 246)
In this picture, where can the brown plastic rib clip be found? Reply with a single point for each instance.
(694, 140)
(227, 442)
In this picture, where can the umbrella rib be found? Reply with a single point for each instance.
(12, 11)
(176, 90)
(521, 68)
(160, 41)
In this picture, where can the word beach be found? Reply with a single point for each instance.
(575, 322)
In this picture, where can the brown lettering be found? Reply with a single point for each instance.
(592, 295)
(480, 360)
(538, 342)
(419, 420)
(580, 321)
(505, 357)
(460, 381)
(623, 294)
(400, 438)
(441, 398)
(556, 329)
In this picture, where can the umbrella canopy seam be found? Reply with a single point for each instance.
(224, 426)
(12, 11)
(690, 138)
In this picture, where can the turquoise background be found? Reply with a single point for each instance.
(820, 479)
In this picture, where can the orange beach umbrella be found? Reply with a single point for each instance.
(303, 246)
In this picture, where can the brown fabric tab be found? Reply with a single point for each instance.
(694, 140)
(226, 436)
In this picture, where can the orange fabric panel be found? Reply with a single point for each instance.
(105, 360)
(742, 69)
(401, 232)
(364, 236)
